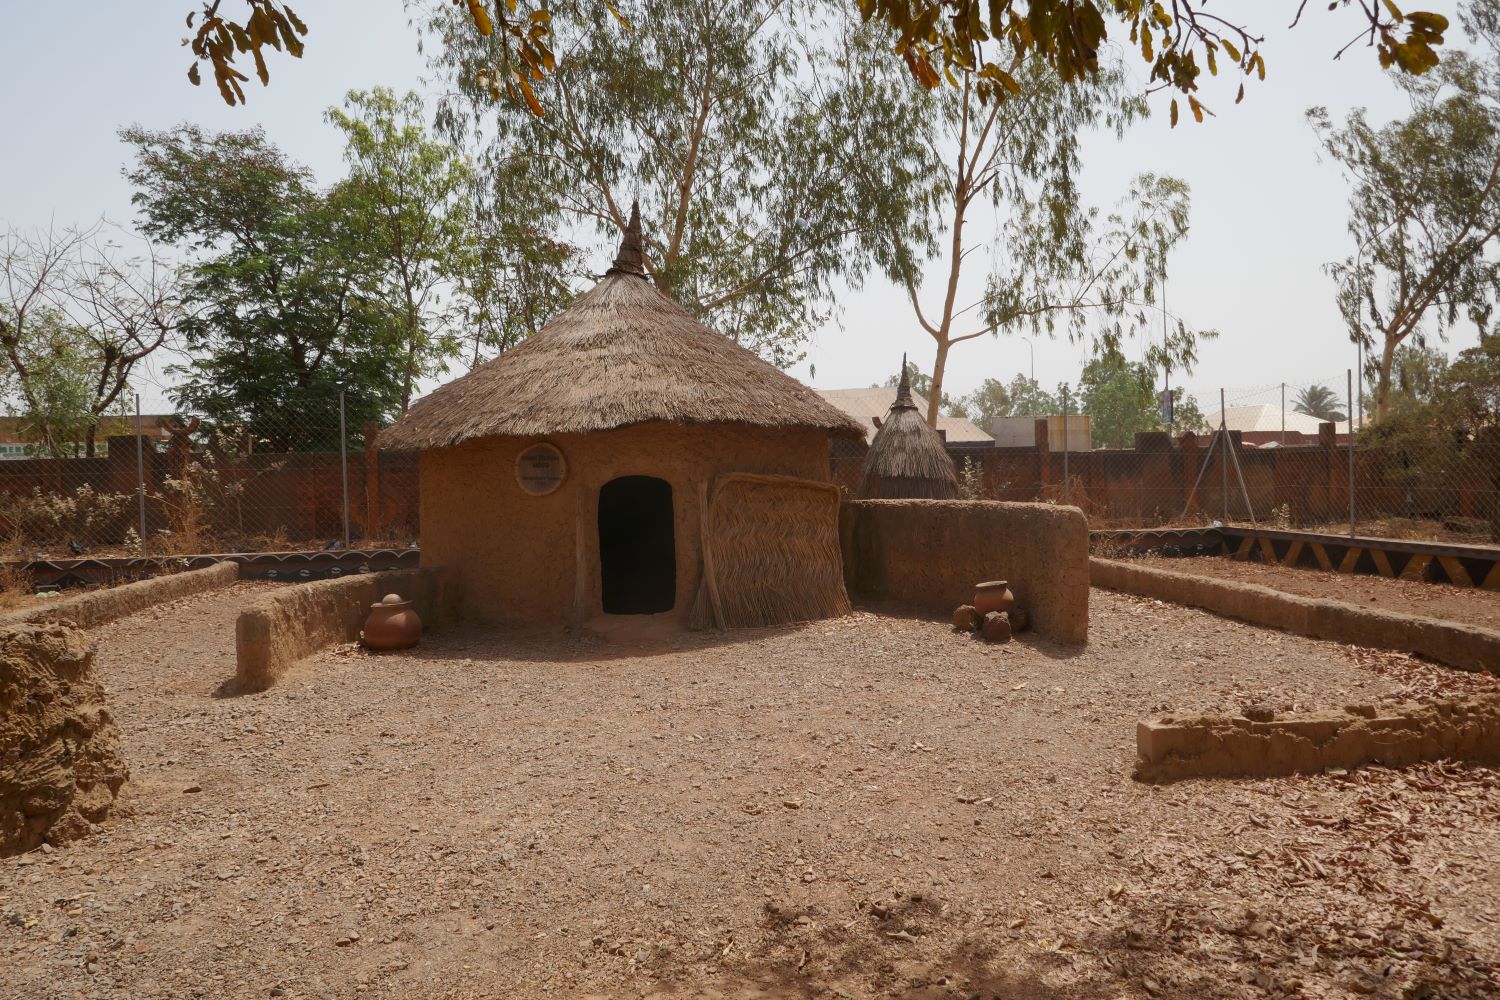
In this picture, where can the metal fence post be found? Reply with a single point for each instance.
(344, 465)
(1065, 443)
(1224, 456)
(140, 469)
(1350, 376)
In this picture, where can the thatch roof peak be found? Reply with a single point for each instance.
(907, 459)
(622, 354)
(630, 260)
(903, 389)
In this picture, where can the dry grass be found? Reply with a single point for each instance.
(774, 544)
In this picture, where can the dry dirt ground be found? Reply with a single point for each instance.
(1412, 597)
(868, 807)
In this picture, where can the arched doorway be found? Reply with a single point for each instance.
(637, 546)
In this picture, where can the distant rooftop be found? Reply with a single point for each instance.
(1267, 417)
(865, 405)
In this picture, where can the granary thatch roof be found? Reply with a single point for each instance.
(621, 354)
(907, 460)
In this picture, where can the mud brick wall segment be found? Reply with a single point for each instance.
(60, 760)
(1467, 647)
(929, 554)
(293, 622)
(100, 606)
(1228, 746)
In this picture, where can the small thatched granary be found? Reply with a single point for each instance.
(907, 460)
(628, 460)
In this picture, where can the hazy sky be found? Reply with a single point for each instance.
(1267, 213)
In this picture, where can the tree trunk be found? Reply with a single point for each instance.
(1383, 384)
(939, 365)
(411, 349)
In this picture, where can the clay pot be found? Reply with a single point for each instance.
(392, 624)
(996, 627)
(1020, 619)
(965, 618)
(993, 596)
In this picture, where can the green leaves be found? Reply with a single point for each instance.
(1424, 211)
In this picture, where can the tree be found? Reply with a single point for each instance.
(1187, 415)
(1021, 397)
(1029, 399)
(921, 385)
(1057, 263)
(1424, 210)
(1120, 400)
(940, 41)
(1318, 401)
(77, 317)
(727, 125)
(1470, 392)
(984, 404)
(409, 196)
(1417, 376)
(283, 318)
(512, 276)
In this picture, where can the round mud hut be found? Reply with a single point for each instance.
(627, 460)
(907, 459)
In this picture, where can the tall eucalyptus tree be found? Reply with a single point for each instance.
(732, 123)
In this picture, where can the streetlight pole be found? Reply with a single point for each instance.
(1031, 349)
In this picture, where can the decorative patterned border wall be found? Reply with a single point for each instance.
(1463, 565)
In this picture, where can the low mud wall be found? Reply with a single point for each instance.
(100, 606)
(294, 622)
(1467, 647)
(60, 761)
(1230, 746)
(931, 553)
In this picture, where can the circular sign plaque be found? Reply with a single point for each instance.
(540, 469)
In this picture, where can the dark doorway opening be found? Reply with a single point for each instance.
(637, 546)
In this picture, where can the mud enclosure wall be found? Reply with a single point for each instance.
(282, 628)
(99, 606)
(930, 554)
(1228, 746)
(1468, 647)
(60, 763)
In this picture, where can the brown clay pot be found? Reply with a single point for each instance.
(392, 624)
(993, 596)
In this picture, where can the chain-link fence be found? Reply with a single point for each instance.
(187, 484)
(1257, 458)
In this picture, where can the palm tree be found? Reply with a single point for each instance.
(1319, 401)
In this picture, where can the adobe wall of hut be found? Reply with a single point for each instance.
(930, 553)
(518, 556)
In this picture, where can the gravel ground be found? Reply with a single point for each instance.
(867, 807)
(1413, 597)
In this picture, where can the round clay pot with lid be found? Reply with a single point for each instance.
(993, 596)
(392, 624)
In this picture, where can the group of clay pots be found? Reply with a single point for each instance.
(993, 615)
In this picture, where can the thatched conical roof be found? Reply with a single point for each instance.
(621, 354)
(907, 459)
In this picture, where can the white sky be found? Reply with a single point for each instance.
(1267, 214)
